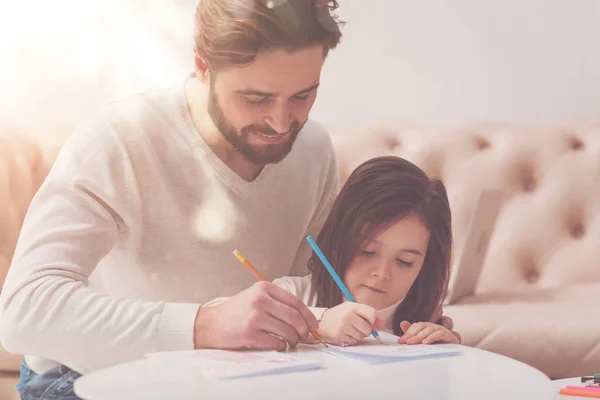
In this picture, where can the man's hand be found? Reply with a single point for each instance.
(264, 317)
(426, 333)
(348, 323)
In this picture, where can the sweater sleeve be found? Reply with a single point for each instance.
(79, 213)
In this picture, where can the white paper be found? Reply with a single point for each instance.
(224, 364)
(390, 351)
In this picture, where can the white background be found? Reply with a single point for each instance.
(436, 62)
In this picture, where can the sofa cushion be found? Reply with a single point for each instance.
(554, 330)
(546, 234)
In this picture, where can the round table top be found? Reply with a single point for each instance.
(474, 374)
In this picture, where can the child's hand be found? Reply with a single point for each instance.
(348, 323)
(426, 333)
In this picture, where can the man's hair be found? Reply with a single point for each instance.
(232, 32)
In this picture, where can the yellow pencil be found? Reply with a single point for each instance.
(260, 277)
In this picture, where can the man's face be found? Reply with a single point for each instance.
(261, 108)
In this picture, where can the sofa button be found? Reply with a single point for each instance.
(575, 144)
(392, 143)
(529, 185)
(577, 231)
(481, 143)
(532, 276)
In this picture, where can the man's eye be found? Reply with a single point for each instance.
(256, 100)
(301, 96)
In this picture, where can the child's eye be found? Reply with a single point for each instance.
(367, 253)
(405, 263)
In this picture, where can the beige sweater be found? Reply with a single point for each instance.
(134, 229)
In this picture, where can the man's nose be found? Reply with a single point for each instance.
(279, 119)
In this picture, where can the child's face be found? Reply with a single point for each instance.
(385, 268)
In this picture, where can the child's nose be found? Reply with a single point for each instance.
(382, 270)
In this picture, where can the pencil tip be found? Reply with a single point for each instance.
(235, 252)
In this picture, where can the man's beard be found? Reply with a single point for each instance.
(257, 155)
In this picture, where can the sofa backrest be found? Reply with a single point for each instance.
(547, 235)
(548, 232)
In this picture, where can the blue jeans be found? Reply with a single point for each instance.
(53, 384)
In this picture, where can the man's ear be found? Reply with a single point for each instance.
(201, 67)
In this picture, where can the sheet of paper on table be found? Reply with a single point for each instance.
(224, 364)
(390, 351)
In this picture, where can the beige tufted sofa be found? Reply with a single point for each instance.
(23, 167)
(541, 280)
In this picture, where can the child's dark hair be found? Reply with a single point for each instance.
(376, 195)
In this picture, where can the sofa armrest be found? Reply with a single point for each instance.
(24, 164)
(8, 361)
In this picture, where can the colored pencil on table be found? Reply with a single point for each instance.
(595, 379)
(260, 277)
(581, 393)
(587, 388)
(336, 277)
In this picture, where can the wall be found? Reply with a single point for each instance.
(453, 62)
(429, 61)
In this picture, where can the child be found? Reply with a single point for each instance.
(389, 238)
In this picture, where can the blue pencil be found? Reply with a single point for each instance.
(336, 277)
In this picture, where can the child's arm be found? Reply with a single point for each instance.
(426, 333)
(300, 287)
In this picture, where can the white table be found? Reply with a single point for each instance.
(475, 374)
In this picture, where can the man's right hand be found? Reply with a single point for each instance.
(264, 317)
